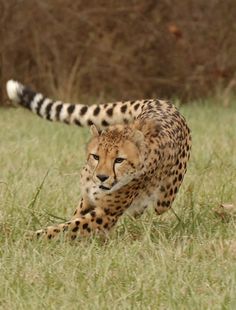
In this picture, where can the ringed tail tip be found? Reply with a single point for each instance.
(14, 90)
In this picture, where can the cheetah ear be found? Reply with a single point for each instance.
(138, 137)
(94, 131)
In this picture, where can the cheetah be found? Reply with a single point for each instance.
(137, 157)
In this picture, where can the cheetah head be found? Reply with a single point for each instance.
(115, 156)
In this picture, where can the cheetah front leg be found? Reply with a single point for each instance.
(96, 221)
(83, 208)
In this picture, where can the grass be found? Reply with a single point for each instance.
(152, 263)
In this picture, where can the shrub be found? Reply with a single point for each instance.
(119, 49)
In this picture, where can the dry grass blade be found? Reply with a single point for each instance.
(149, 263)
(226, 211)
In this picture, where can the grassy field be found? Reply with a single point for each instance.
(168, 262)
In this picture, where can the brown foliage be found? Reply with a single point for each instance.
(120, 49)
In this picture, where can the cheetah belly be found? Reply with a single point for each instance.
(139, 205)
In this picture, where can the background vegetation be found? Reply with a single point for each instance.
(119, 49)
(151, 263)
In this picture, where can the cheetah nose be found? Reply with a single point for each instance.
(102, 177)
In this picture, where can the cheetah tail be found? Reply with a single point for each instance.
(40, 105)
(14, 91)
(79, 114)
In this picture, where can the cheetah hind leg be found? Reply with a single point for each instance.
(168, 190)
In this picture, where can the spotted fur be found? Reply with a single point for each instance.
(137, 157)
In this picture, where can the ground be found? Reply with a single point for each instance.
(181, 261)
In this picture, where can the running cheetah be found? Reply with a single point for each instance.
(137, 156)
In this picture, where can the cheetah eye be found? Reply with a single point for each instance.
(96, 157)
(119, 160)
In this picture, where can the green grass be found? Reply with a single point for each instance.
(152, 263)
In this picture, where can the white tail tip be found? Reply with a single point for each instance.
(14, 90)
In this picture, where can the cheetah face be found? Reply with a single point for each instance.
(115, 158)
